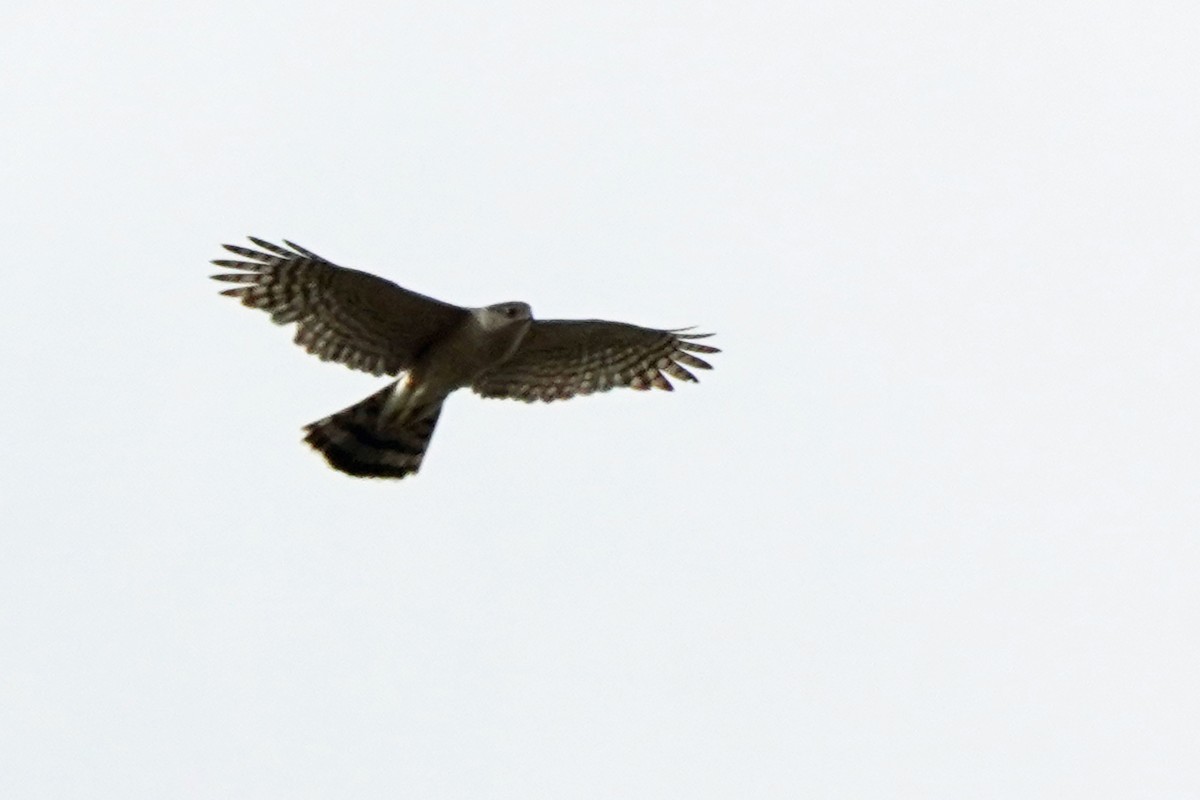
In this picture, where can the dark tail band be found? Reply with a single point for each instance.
(353, 442)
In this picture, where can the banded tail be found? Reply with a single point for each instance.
(355, 442)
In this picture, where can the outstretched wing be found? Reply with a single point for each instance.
(560, 358)
(344, 315)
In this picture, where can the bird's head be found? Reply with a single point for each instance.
(502, 315)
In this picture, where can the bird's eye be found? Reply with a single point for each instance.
(510, 312)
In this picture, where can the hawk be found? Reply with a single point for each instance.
(373, 325)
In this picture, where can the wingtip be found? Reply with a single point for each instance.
(301, 250)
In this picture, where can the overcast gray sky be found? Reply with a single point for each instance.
(928, 530)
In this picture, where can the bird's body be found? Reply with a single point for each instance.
(485, 338)
(371, 324)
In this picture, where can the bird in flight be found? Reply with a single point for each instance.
(373, 325)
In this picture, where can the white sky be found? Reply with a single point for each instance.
(929, 529)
